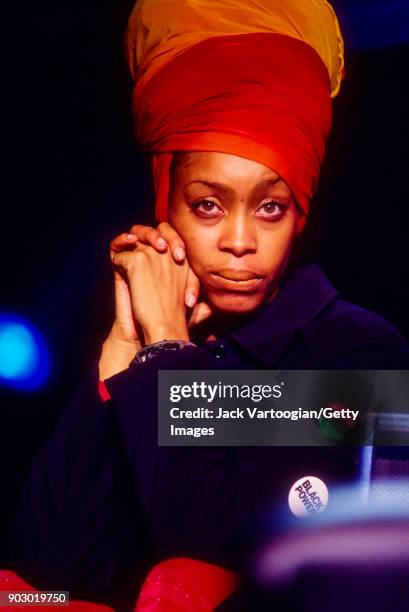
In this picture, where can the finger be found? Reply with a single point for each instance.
(119, 261)
(192, 289)
(125, 260)
(177, 246)
(122, 241)
(151, 236)
(121, 244)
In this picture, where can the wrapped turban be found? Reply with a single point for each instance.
(252, 78)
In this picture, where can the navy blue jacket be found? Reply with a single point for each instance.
(103, 503)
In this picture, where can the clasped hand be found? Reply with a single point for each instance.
(156, 294)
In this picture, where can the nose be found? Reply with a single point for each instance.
(238, 234)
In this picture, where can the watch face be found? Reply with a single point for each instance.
(153, 352)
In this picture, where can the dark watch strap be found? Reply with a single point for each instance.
(152, 350)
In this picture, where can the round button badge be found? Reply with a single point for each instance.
(308, 496)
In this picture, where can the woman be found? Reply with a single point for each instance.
(235, 259)
(233, 101)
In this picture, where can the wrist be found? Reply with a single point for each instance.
(166, 332)
(115, 356)
(118, 336)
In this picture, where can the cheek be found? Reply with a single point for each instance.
(275, 248)
(201, 249)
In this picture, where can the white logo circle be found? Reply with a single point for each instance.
(308, 496)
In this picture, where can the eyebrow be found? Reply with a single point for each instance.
(213, 185)
(269, 182)
(228, 190)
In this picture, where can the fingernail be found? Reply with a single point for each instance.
(162, 243)
(191, 300)
(180, 253)
(131, 237)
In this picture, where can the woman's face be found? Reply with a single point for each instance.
(237, 218)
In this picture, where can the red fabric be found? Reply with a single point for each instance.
(103, 391)
(184, 585)
(9, 581)
(262, 96)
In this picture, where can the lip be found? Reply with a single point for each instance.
(237, 274)
(244, 286)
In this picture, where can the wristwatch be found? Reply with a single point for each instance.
(152, 350)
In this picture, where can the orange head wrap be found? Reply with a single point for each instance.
(252, 78)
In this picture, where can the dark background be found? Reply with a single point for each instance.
(73, 179)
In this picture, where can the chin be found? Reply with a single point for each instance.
(236, 303)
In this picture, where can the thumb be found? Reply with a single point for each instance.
(192, 289)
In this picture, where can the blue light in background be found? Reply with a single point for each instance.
(24, 357)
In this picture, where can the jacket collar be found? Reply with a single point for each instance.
(304, 293)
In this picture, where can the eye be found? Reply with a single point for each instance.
(206, 208)
(273, 210)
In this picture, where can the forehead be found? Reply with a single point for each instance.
(223, 166)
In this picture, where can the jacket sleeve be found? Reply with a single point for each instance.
(78, 526)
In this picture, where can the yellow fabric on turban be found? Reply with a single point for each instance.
(159, 30)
